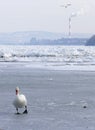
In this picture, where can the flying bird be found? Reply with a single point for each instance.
(66, 5)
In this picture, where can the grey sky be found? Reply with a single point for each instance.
(47, 15)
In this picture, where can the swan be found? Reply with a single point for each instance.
(20, 101)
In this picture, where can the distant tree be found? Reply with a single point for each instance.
(33, 40)
(91, 41)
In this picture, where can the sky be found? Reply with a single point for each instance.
(47, 15)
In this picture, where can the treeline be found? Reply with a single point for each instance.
(62, 41)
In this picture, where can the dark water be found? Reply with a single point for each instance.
(55, 99)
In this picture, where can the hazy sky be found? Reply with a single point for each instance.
(47, 15)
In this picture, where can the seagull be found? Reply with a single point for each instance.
(66, 6)
(20, 101)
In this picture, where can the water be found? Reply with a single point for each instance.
(56, 99)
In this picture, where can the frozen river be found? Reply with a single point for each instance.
(56, 99)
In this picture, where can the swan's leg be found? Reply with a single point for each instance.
(25, 112)
(17, 111)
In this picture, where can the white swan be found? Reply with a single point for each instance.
(20, 101)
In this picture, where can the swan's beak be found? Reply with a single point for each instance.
(16, 92)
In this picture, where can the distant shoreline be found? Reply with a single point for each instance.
(42, 37)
